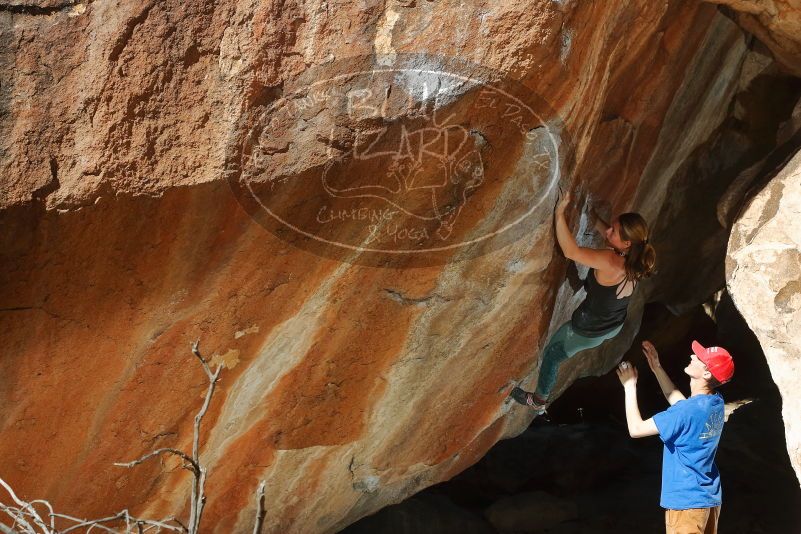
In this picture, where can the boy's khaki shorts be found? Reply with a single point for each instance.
(692, 521)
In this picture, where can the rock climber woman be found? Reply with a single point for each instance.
(614, 273)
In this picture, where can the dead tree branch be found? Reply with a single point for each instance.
(32, 513)
(198, 500)
(259, 509)
(193, 466)
(26, 519)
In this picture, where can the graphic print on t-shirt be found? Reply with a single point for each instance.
(713, 426)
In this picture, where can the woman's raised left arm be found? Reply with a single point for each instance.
(563, 234)
(597, 259)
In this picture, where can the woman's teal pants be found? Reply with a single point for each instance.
(564, 344)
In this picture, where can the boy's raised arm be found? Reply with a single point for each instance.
(672, 394)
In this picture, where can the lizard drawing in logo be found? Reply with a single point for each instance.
(425, 170)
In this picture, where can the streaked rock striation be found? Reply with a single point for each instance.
(349, 383)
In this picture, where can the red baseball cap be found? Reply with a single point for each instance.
(717, 360)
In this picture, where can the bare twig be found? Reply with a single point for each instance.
(166, 450)
(91, 523)
(198, 499)
(159, 525)
(137, 523)
(260, 512)
(175, 520)
(49, 509)
(19, 517)
(25, 505)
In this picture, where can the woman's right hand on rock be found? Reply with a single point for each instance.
(563, 202)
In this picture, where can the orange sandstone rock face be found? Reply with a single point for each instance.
(352, 380)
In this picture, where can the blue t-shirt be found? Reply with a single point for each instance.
(691, 431)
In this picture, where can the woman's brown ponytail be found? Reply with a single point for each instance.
(641, 257)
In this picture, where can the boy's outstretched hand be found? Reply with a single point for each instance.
(651, 355)
(627, 374)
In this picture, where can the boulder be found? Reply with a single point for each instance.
(763, 270)
(777, 23)
(175, 171)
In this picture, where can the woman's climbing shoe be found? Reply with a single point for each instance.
(528, 399)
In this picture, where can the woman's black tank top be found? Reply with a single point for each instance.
(601, 312)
